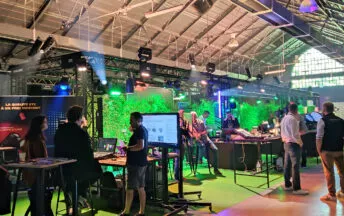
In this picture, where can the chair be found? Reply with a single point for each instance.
(90, 198)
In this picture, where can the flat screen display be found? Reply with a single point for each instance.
(163, 129)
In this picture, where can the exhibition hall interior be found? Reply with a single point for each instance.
(172, 107)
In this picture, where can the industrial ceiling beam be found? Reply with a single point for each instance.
(222, 33)
(138, 26)
(242, 43)
(205, 31)
(181, 33)
(186, 6)
(38, 15)
(76, 18)
(237, 36)
(106, 26)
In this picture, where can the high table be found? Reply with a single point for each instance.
(40, 166)
(121, 161)
(258, 143)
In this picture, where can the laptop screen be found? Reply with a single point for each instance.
(107, 145)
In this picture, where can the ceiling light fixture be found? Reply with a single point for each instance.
(274, 72)
(233, 42)
(192, 60)
(308, 6)
(48, 44)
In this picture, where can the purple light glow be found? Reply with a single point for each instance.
(308, 6)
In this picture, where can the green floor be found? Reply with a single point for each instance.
(221, 191)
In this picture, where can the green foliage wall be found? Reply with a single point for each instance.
(204, 104)
(116, 112)
(254, 115)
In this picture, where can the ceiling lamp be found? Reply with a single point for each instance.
(35, 47)
(192, 61)
(308, 6)
(48, 44)
(211, 67)
(233, 42)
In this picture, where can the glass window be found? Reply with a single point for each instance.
(313, 62)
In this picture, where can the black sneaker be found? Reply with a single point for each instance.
(124, 214)
(138, 214)
(218, 173)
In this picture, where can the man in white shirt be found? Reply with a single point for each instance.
(290, 132)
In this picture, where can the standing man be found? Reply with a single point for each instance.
(329, 139)
(204, 117)
(136, 163)
(290, 132)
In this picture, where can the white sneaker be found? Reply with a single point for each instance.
(301, 192)
(288, 188)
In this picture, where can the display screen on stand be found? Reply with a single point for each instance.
(163, 129)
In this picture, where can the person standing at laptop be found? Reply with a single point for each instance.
(136, 164)
(329, 139)
(291, 136)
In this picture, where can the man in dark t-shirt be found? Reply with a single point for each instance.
(136, 163)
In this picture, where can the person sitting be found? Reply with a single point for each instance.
(35, 147)
(71, 141)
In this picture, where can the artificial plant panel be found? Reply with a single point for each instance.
(117, 112)
(254, 115)
(203, 105)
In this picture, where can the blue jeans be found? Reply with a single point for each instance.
(292, 158)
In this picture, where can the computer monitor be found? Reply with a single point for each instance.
(107, 145)
(163, 129)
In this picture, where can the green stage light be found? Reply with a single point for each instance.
(115, 93)
(232, 100)
(276, 98)
(182, 96)
(259, 101)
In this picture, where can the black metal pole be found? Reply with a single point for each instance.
(164, 175)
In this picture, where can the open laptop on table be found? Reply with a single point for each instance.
(106, 148)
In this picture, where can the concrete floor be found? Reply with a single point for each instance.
(279, 202)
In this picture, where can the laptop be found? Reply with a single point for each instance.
(106, 148)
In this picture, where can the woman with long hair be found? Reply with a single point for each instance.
(35, 147)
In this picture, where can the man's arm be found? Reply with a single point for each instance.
(320, 134)
(140, 141)
(138, 147)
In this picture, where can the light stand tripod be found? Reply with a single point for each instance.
(181, 201)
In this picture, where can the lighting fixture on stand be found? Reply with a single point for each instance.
(308, 6)
(233, 42)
